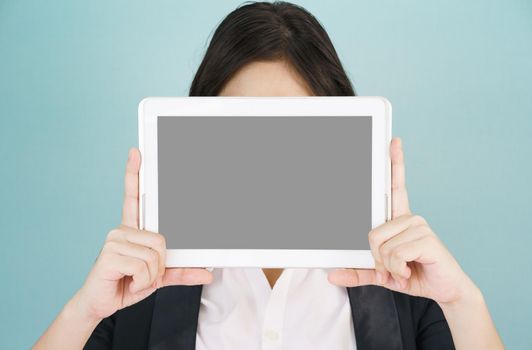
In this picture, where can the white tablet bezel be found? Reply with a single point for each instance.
(377, 107)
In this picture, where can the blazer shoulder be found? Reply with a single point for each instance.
(424, 319)
(168, 316)
(128, 328)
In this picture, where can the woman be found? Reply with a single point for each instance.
(417, 297)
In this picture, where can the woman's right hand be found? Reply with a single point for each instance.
(131, 264)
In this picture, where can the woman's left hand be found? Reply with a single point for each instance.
(409, 257)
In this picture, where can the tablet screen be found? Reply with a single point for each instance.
(264, 182)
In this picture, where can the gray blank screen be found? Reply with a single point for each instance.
(265, 182)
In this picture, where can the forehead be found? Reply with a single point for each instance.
(266, 78)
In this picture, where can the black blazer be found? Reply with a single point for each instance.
(168, 319)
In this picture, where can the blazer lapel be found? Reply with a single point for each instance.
(176, 310)
(375, 318)
(175, 318)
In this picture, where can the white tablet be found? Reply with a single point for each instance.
(265, 181)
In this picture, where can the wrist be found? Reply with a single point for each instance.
(469, 296)
(77, 311)
(469, 320)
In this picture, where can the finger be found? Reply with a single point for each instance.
(389, 229)
(400, 205)
(152, 240)
(144, 293)
(352, 277)
(130, 266)
(186, 276)
(148, 255)
(418, 250)
(381, 273)
(421, 250)
(358, 277)
(398, 282)
(388, 250)
(130, 209)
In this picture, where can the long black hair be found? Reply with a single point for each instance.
(260, 31)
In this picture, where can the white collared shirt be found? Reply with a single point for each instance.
(239, 310)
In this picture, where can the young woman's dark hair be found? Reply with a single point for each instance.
(262, 31)
(131, 300)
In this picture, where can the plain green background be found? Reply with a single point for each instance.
(458, 73)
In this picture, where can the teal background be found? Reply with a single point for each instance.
(458, 73)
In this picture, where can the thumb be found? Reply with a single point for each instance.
(186, 276)
(352, 277)
(360, 277)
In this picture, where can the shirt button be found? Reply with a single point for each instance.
(271, 335)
